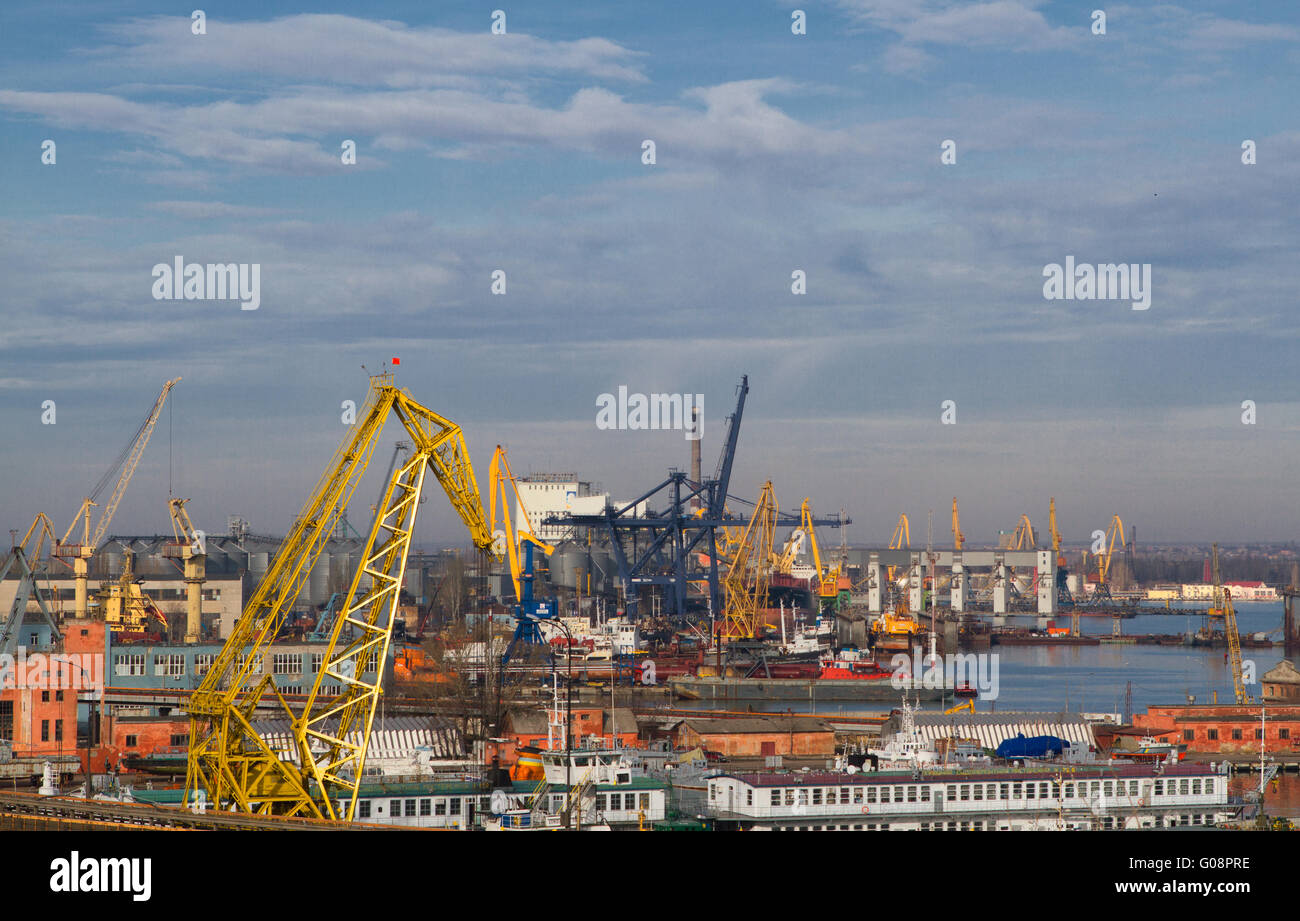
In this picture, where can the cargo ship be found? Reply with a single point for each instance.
(848, 676)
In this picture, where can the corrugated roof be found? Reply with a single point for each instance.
(992, 729)
(754, 724)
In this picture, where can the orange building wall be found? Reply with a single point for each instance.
(750, 744)
(1171, 722)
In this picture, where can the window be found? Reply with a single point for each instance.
(453, 805)
(1158, 789)
(1189, 735)
(7, 720)
(286, 663)
(817, 796)
(1031, 789)
(180, 740)
(169, 664)
(1004, 791)
(256, 668)
(1212, 733)
(1056, 789)
(857, 795)
(440, 806)
(1069, 790)
(803, 796)
(131, 663)
(911, 794)
(132, 741)
(644, 800)
(1284, 733)
(871, 794)
(789, 796)
(58, 695)
(776, 797)
(749, 797)
(1259, 734)
(884, 794)
(363, 809)
(925, 794)
(600, 802)
(1196, 787)
(844, 794)
(317, 661)
(1182, 787)
(410, 808)
(395, 807)
(203, 665)
(1108, 789)
(979, 791)
(1016, 794)
(45, 697)
(45, 730)
(1236, 733)
(830, 797)
(1132, 788)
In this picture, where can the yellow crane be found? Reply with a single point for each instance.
(1115, 530)
(958, 539)
(506, 540)
(1024, 537)
(191, 546)
(902, 540)
(1222, 607)
(827, 580)
(235, 766)
(124, 467)
(746, 581)
(24, 560)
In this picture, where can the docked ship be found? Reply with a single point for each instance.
(984, 799)
(849, 675)
(896, 631)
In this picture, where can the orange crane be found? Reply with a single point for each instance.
(1222, 607)
(957, 537)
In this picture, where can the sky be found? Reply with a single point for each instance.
(775, 153)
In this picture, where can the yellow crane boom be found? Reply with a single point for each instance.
(228, 759)
(748, 576)
(191, 545)
(126, 463)
(1222, 607)
(506, 540)
(958, 539)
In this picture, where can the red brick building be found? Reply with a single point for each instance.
(529, 727)
(757, 736)
(1220, 729)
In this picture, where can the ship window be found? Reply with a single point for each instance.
(1016, 793)
(1069, 791)
(789, 796)
(426, 806)
(1056, 789)
(1182, 787)
(1196, 787)
(776, 797)
(951, 792)
(830, 796)
(965, 791)
(817, 796)
(911, 794)
(857, 794)
(440, 806)
(885, 794)
(871, 794)
(600, 801)
(979, 791)
(1158, 789)
(363, 809)
(455, 805)
(410, 808)
(1108, 789)
(395, 807)
(1031, 790)
(925, 794)
(844, 794)
(644, 800)
(749, 797)
(1005, 791)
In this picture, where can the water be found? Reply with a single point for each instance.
(1093, 679)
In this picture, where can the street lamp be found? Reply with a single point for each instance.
(568, 711)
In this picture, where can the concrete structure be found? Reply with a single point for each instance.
(547, 494)
(959, 565)
(757, 736)
(1224, 729)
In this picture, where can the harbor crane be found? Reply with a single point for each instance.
(191, 547)
(124, 468)
(1116, 530)
(24, 559)
(747, 579)
(1222, 607)
(958, 539)
(512, 544)
(827, 579)
(229, 760)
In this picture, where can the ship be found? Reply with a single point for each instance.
(849, 676)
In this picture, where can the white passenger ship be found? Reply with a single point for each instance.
(1006, 799)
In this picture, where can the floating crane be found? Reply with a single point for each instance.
(747, 578)
(24, 559)
(124, 467)
(1222, 607)
(229, 760)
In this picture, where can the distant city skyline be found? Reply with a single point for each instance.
(782, 162)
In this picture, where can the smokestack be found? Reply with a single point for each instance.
(695, 453)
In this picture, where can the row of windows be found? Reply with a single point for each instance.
(980, 825)
(969, 792)
(1189, 735)
(866, 826)
(622, 801)
(58, 730)
(172, 665)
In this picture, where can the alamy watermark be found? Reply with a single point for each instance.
(978, 671)
(241, 281)
(59, 671)
(681, 411)
(1105, 282)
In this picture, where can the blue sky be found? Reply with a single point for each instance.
(775, 152)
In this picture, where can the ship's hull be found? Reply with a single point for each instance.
(711, 689)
